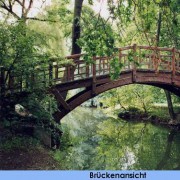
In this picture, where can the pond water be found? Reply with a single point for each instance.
(96, 141)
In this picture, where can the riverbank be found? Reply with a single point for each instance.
(157, 116)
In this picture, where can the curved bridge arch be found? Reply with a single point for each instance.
(162, 79)
(155, 66)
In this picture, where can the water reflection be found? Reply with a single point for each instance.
(101, 142)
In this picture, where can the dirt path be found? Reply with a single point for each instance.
(37, 158)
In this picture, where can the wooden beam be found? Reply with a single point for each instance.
(60, 99)
(58, 115)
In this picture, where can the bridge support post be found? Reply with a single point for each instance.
(50, 73)
(134, 62)
(94, 76)
(87, 70)
(173, 67)
(63, 106)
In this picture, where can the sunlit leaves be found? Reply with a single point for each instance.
(139, 96)
(98, 39)
(19, 44)
(116, 67)
(143, 14)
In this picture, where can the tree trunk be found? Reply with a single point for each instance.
(167, 93)
(158, 29)
(76, 33)
(170, 105)
(76, 29)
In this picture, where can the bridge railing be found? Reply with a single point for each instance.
(133, 58)
(13, 81)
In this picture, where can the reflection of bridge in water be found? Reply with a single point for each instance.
(148, 65)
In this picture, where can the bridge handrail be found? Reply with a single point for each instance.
(148, 58)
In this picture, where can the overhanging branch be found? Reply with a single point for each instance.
(44, 20)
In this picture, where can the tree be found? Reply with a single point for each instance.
(9, 7)
(22, 52)
(138, 96)
(76, 29)
(167, 93)
(155, 21)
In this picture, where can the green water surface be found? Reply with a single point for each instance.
(93, 140)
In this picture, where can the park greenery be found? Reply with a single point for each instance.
(64, 27)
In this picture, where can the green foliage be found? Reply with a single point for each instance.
(137, 21)
(46, 105)
(98, 39)
(18, 142)
(121, 11)
(99, 42)
(116, 67)
(61, 13)
(22, 54)
(19, 46)
(53, 36)
(133, 109)
(138, 96)
(161, 112)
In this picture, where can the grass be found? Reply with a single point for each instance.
(162, 112)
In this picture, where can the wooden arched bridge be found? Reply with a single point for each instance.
(157, 66)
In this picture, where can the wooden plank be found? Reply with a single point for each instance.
(155, 48)
(74, 56)
(162, 80)
(125, 48)
(114, 84)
